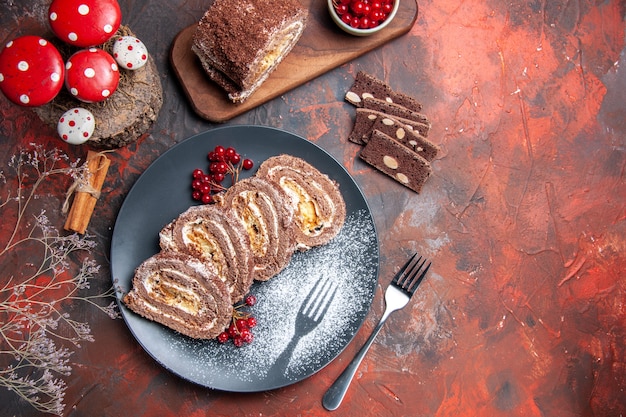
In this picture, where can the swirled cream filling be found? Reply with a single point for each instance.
(250, 213)
(308, 213)
(161, 287)
(283, 41)
(197, 235)
(205, 325)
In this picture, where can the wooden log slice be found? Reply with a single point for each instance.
(123, 117)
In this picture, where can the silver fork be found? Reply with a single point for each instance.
(312, 311)
(398, 294)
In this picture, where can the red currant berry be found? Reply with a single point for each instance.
(235, 159)
(248, 337)
(232, 331)
(223, 337)
(229, 152)
(197, 173)
(250, 300)
(196, 195)
(357, 7)
(220, 168)
(218, 177)
(251, 322)
(355, 22)
(247, 164)
(365, 23)
(204, 188)
(241, 324)
(238, 341)
(341, 9)
(387, 7)
(206, 198)
(376, 5)
(195, 184)
(346, 18)
(211, 156)
(219, 151)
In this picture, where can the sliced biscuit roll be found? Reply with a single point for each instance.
(366, 118)
(368, 86)
(215, 236)
(406, 136)
(394, 110)
(319, 208)
(181, 293)
(264, 210)
(396, 160)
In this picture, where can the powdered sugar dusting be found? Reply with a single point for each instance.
(350, 260)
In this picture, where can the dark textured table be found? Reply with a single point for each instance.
(524, 218)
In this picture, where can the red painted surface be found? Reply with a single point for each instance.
(524, 218)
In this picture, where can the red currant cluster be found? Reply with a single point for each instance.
(222, 161)
(240, 329)
(363, 14)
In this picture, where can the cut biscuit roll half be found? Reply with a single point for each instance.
(240, 44)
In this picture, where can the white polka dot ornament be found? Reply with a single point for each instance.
(91, 75)
(31, 71)
(84, 23)
(130, 53)
(76, 126)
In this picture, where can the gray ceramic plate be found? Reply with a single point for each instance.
(280, 354)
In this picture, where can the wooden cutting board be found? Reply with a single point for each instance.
(322, 47)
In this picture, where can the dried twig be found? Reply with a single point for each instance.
(36, 333)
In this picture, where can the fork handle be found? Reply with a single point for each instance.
(333, 397)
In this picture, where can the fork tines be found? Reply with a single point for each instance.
(411, 274)
(319, 299)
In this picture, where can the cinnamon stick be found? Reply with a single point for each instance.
(87, 195)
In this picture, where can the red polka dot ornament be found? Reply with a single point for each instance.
(31, 71)
(91, 75)
(84, 23)
(76, 126)
(130, 53)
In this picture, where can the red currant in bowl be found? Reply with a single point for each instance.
(362, 17)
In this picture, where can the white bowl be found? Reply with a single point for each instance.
(362, 32)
